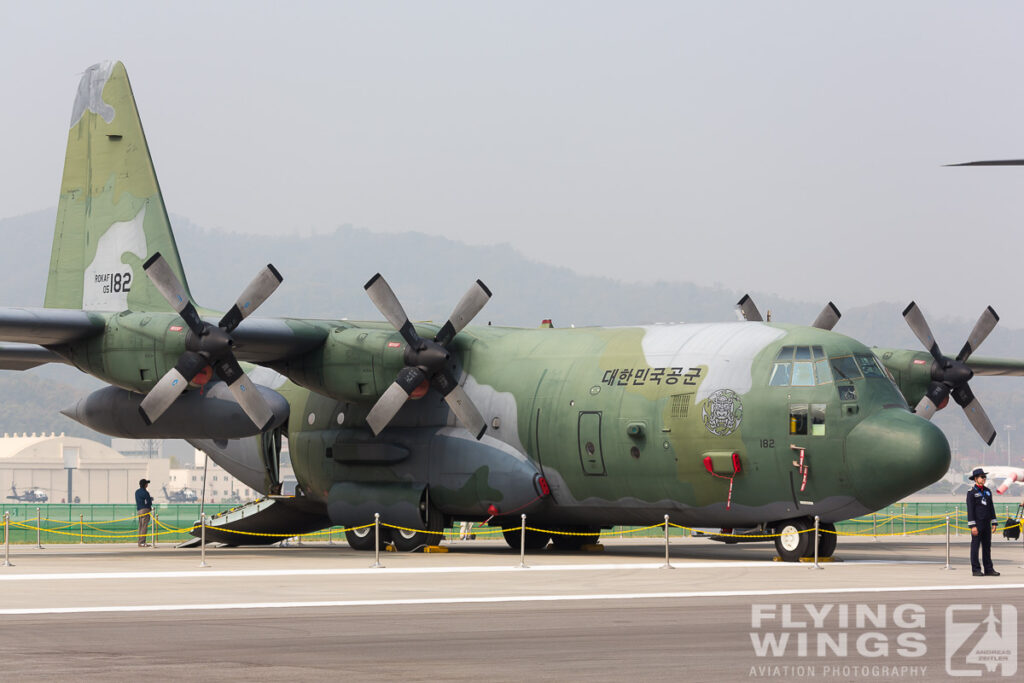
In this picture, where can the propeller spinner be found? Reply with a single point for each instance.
(208, 345)
(950, 376)
(426, 361)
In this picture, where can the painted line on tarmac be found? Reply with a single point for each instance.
(496, 599)
(380, 571)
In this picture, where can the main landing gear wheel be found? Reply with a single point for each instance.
(827, 540)
(432, 533)
(362, 538)
(535, 540)
(582, 535)
(793, 540)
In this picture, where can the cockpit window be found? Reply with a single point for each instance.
(780, 375)
(801, 366)
(845, 367)
(869, 365)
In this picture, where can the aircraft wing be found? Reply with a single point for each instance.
(26, 356)
(48, 326)
(996, 366)
(262, 340)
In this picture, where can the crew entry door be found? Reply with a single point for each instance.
(590, 443)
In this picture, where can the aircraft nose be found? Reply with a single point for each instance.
(892, 454)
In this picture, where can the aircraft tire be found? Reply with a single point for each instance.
(432, 534)
(827, 541)
(535, 540)
(791, 545)
(362, 539)
(575, 542)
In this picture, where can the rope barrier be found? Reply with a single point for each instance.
(162, 529)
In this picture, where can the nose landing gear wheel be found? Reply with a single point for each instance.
(535, 540)
(793, 540)
(827, 540)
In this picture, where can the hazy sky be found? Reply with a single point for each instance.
(792, 147)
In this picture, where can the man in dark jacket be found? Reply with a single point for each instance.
(143, 506)
(981, 518)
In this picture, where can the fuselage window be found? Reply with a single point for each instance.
(798, 419)
(803, 353)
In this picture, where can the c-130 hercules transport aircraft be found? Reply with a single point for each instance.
(744, 425)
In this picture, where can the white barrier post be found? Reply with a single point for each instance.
(874, 526)
(947, 544)
(904, 519)
(522, 544)
(817, 534)
(376, 542)
(152, 520)
(39, 532)
(7, 539)
(202, 540)
(667, 565)
(81, 528)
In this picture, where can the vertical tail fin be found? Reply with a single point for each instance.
(111, 215)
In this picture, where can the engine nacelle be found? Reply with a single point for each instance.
(209, 414)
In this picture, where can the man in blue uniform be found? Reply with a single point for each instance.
(981, 518)
(143, 507)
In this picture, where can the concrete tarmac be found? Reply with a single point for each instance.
(721, 613)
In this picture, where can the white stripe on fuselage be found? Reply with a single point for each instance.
(727, 349)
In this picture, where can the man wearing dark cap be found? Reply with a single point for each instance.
(144, 506)
(981, 518)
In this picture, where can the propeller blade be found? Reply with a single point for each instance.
(749, 309)
(996, 162)
(244, 391)
(981, 330)
(383, 297)
(161, 275)
(828, 317)
(252, 297)
(393, 398)
(467, 308)
(919, 326)
(170, 386)
(926, 408)
(458, 400)
(975, 413)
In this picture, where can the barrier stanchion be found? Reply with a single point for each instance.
(904, 519)
(874, 526)
(202, 540)
(152, 519)
(667, 565)
(7, 539)
(522, 544)
(947, 544)
(376, 542)
(39, 532)
(330, 536)
(817, 535)
(81, 528)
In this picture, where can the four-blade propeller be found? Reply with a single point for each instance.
(426, 361)
(950, 376)
(826, 320)
(208, 345)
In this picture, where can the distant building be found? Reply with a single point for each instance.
(99, 474)
(221, 487)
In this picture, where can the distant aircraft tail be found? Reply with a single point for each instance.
(111, 215)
